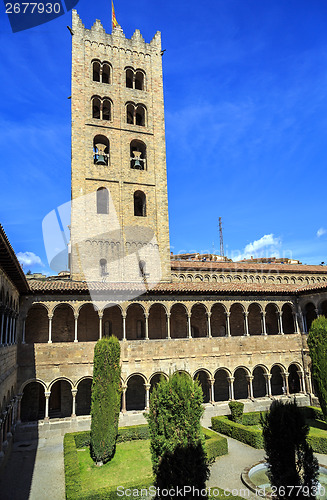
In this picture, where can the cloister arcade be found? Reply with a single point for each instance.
(64, 398)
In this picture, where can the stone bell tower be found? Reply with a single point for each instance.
(119, 217)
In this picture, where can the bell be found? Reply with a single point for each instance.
(137, 156)
(100, 155)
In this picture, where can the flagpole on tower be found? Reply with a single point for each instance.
(113, 16)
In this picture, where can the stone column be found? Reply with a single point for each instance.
(317, 312)
(296, 323)
(302, 325)
(281, 331)
(268, 384)
(250, 386)
(147, 396)
(74, 392)
(212, 390)
(227, 324)
(209, 324)
(6, 330)
(168, 326)
(189, 325)
(309, 383)
(23, 330)
(47, 397)
(76, 325)
(124, 327)
(285, 379)
(246, 325)
(50, 316)
(19, 407)
(123, 404)
(146, 314)
(304, 316)
(100, 313)
(2, 327)
(301, 378)
(263, 320)
(231, 387)
(1, 438)
(10, 330)
(15, 330)
(5, 427)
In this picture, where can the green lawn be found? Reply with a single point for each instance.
(132, 460)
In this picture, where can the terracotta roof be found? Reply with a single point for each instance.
(10, 265)
(65, 286)
(184, 265)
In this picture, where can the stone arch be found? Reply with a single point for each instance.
(254, 319)
(218, 320)
(277, 382)
(272, 319)
(135, 393)
(37, 324)
(157, 321)
(112, 321)
(63, 323)
(33, 401)
(294, 383)
(287, 318)
(199, 322)
(241, 383)
(323, 307)
(155, 379)
(135, 322)
(221, 385)
(61, 399)
(203, 376)
(236, 319)
(178, 321)
(88, 323)
(83, 396)
(259, 382)
(310, 314)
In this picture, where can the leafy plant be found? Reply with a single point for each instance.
(317, 342)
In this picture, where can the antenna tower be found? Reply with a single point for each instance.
(221, 238)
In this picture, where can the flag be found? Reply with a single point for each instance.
(114, 20)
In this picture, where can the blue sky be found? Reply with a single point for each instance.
(245, 86)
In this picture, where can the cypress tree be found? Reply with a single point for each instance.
(177, 443)
(105, 400)
(291, 462)
(317, 342)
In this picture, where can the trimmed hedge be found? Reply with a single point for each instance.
(252, 418)
(318, 443)
(215, 445)
(236, 411)
(241, 432)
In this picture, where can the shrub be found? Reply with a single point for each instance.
(236, 410)
(177, 442)
(215, 445)
(290, 458)
(317, 342)
(105, 402)
(252, 418)
(247, 435)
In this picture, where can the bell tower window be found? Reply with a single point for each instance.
(101, 108)
(136, 114)
(139, 204)
(138, 155)
(96, 71)
(102, 201)
(135, 79)
(101, 72)
(100, 150)
(103, 268)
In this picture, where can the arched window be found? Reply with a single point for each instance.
(135, 114)
(135, 79)
(103, 267)
(139, 204)
(129, 78)
(102, 201)
(101, 150)
(106, 110)
(139, 80)
(101, 108)
(96, 71)
(105, 73)
(140, 116)
(138, 155)
(96, 106)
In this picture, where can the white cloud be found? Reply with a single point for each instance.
(321, 231)
(264, 247)
(29, 259)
